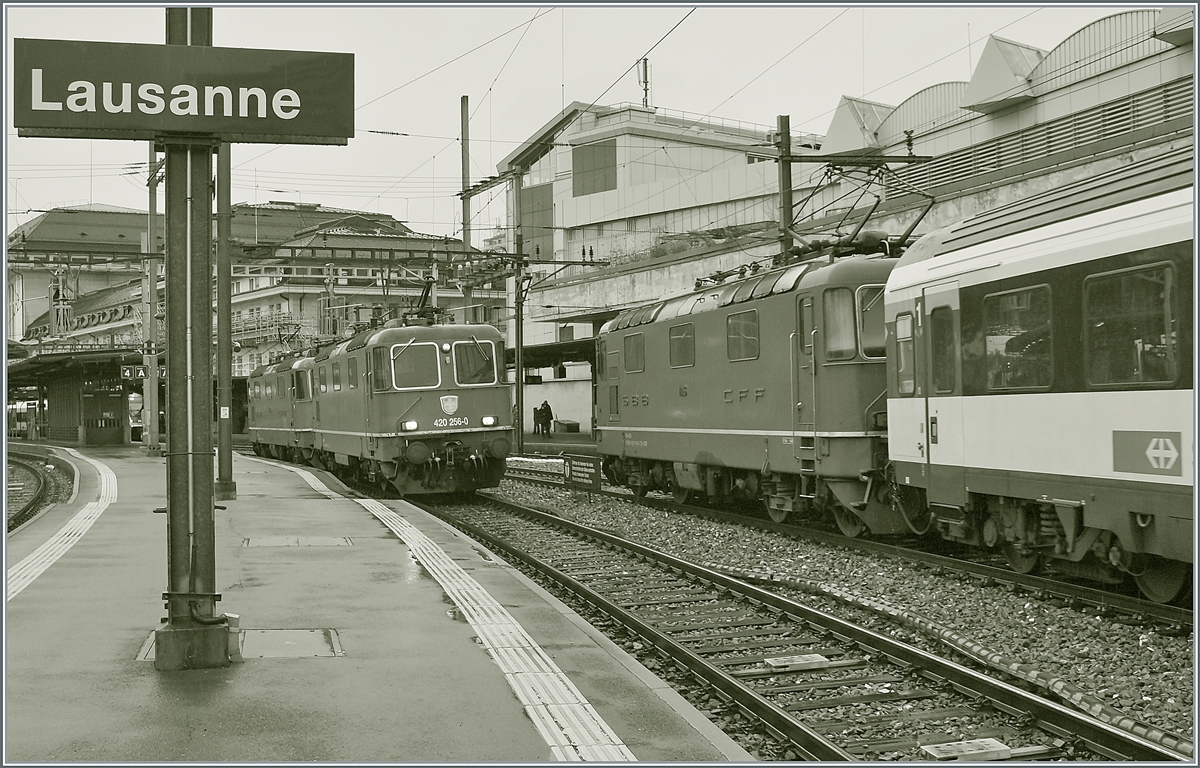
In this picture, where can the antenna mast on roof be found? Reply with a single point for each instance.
(644, 81)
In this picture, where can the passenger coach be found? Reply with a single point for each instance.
(1040, 393)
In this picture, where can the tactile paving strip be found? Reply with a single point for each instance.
(564, 718)
(23, 573)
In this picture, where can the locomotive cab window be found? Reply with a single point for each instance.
(807, 324)
(602, 373)
(840, 324)
(335, 372)
(906, 369)
(1130, 327)
(683, 345)
(352, 372)
(302, 384)
(322, 379)
(474, 362)
(870, 322)
(741, 335)
(415, 366)
(1018, 339)
(635, 353)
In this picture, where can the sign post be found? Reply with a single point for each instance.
(188, 97)
(582, 473)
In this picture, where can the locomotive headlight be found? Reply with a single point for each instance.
(445, 346)
(489, 421)
(408, 426)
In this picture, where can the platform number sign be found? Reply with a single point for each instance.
(141, 372)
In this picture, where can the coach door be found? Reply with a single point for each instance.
(804, 373)
(945, 458)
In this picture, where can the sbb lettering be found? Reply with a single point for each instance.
(742, 394)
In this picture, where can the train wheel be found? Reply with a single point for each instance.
(850, 524)
(1162, 580)
(778, 515)
(681, 495)
(1020, 562)
(918, 516)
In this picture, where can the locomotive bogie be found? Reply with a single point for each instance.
(407, 409)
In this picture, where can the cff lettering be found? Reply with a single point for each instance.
(153, 99)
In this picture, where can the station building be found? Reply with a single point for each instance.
(301, 273)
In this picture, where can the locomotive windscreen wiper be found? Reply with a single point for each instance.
(406, 346)
(482, 351)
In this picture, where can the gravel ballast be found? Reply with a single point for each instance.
(1143, 673)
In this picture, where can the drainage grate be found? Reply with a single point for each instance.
(275, 644)
(298, 541)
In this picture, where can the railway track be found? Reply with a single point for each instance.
(1071, 594)
(827, 688)
(25, 491)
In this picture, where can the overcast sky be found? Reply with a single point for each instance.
(519, 66)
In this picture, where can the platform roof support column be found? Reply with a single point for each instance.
(226, 488)
(193, 637)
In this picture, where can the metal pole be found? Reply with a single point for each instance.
(192, 637)
(466, 176)
(785, 183)
(150, 323)
(519, 303)
(226, 488)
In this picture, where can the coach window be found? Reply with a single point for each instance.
(321, 379)
(1018, 338)
(741, 335)
(683, 345)
(336, 373)
(352, 372)
(839, 324)
(474, 362)
(415, 366)
(1130, 327)
(942, 347)
(302, 384)
(906, 369)
(635, 353)
(870, 322)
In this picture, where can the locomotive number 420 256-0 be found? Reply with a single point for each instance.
(458, 421)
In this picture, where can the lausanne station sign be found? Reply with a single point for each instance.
(78, 89)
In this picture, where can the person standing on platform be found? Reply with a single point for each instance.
(547, 417)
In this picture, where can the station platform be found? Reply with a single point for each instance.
(556, 443)
(371, 632)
